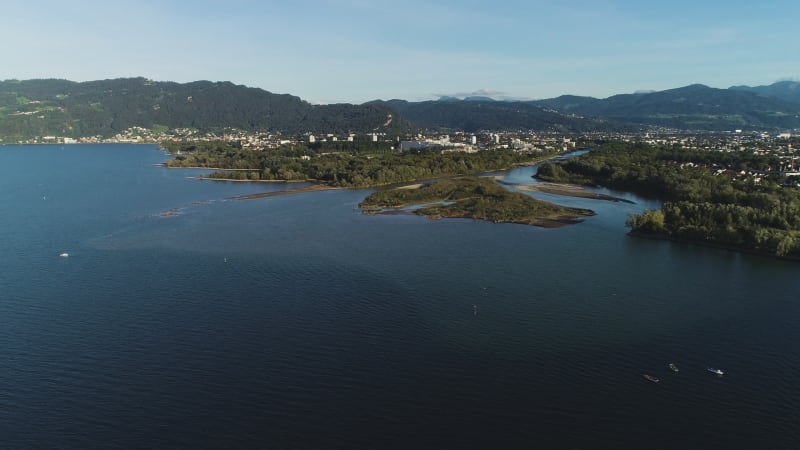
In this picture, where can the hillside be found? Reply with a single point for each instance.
(784, 90)
(694, 107)
(65, 108)
(104, 108)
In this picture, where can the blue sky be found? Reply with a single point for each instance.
(359, 50)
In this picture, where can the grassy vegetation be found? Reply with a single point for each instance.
(475, 198)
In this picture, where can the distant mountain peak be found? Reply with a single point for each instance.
(469, 98)
(689, 88)
(479, 98)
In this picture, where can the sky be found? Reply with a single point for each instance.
(333, 51)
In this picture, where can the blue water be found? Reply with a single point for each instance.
(183, 319)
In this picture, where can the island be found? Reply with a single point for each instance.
(474, 198)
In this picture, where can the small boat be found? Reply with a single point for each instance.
(64, 255)
(673, 367)
(651, 378)
(716, 371)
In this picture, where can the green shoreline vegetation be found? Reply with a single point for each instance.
(730, 200)
(474, 198)
(358, 164)
(362, 164)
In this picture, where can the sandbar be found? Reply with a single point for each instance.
(311, 188)
(569, 190)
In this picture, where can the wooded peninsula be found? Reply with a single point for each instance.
(733, 200)
(364, 164)
(722, 199)
(357, 164)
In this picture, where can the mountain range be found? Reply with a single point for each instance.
(694, 107)
(784, 90)
(65, 108)
(103, 108)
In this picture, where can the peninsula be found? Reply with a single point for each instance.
(734, 200)
(364, 164)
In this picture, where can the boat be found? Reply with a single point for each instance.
(64, 255)
(673, 367)
(651, 378)
(716, 371)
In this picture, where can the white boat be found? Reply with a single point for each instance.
(64, 255)
(716, 371)
(673, 367)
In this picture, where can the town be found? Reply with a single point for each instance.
(785, 146)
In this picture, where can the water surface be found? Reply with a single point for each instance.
(184, 319)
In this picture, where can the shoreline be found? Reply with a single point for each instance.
(730, 248)
(164, 165)
(416, 184)
(544, 222)
(251, 181)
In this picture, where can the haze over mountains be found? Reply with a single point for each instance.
(63, 108)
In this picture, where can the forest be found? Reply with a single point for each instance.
(732, 200)
(357, 164)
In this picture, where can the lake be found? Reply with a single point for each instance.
(184, 319)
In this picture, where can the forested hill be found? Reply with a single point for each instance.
(784, 90)
(65, 108)
(694, 107)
